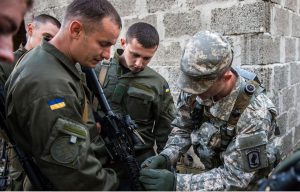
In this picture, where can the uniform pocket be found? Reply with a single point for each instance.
(139, 104)
(67, 144)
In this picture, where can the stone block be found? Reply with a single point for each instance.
(124, 7)
(287, 143)
(296, 25)
(159, 5)
(264, 74)
(291, 4)
(297, 137)
(151, 19)
(287, 98)
(281, 22)
(280, 77)
(170, 74)
(194, 3)
(248, 18)
(167, 54)
(295, 77)
(292, 118)
(59, 12)
(40, 5)
(179, 24)
(290, 49)
(282, 122)
(260, 49)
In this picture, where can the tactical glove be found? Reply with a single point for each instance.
(157, 162)
(157, 180)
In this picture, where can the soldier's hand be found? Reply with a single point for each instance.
(156, 162)
(157, 180)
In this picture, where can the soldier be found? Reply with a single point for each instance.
(42, 26)
(11, 16)
(226, 117)
(134, 88)
(48, 103)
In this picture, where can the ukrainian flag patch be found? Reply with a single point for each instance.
(57, 103)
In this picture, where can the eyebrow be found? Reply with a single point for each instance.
(10, 25)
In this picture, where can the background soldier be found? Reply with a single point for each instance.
(134, 88)
(11, 16)
(48, 102)
(227, 118)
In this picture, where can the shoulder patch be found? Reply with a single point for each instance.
(56, 103)
(63, 151)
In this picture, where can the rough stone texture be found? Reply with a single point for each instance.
(298, 48)
(281, 22)
(193, 3)
(290, 49)
(287, 143)
(246, 19)
(292, 120)
(124, 7)
(288, 99)
(178, 24)
(169, 53)
(280, 77)
(151, 19)
(297, 137)
(296, 25)
(295, 77)
(291, 4)
(159, 5)
(260, 49)
(282, 122)
(276, 1)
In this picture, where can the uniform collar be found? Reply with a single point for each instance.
(70, 65)
(222, 108)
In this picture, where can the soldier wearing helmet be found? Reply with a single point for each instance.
(224, 114)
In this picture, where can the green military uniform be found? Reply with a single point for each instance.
(15, 172)
(50, 116)
(146, 97)
(7, 68)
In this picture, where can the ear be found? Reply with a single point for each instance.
(76, 29)
(30, 29)
(123, 42)
(227, 75)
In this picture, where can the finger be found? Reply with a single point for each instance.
(147, 180)
(152, 173)
(150, 187)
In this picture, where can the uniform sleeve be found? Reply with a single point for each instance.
(250, 153)
(51, 128)
(179, 140)
(166, 116)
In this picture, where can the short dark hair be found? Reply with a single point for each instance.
(144, 33)
(92, 11)
(44, 18)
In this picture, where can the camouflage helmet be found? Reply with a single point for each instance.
(205, 57)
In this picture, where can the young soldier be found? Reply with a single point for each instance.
(48, 106)
(135, 89)
(226, 117)
(42, 26)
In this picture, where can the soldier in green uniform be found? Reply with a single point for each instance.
(48, 102)
(225, 115)
(135, 89)
(42, 26)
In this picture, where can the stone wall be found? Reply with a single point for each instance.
(265, 35)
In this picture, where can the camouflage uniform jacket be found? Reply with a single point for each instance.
(50, 116)
(249, 153)
(146, 97)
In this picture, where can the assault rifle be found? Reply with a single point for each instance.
(37, 179)
(118, 132)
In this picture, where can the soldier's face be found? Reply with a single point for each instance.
(11, 16)
(36, 31)
(92, 47)
(136, 56)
